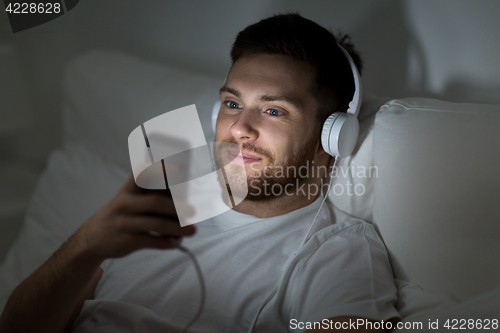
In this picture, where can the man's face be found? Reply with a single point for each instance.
(269, 112)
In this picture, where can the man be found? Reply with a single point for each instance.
(287, 76)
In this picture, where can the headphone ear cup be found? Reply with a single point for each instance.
(339, 134)
(325, 132)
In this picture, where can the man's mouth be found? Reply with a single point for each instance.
(244, 158)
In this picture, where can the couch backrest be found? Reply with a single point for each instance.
(436, 201)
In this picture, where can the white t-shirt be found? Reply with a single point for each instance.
(342, 270)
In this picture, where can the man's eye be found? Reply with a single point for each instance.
(274, 112)
(232, 105)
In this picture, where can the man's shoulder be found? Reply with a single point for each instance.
(341, 216)
(345, 226)
(349, 228)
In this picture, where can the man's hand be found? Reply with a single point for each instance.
(129, 221)
(50, 299)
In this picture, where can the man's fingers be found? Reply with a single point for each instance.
(156, 242)
(161, 226)
(154, 205)
(131, 187)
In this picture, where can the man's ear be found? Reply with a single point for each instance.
(322, 157)
(319, 149)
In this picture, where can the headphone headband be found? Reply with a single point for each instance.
(355, 104)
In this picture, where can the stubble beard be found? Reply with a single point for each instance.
(250, 183)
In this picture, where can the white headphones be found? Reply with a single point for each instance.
(340, 130)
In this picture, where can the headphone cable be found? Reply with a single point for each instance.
(202, 286)
(322, 202)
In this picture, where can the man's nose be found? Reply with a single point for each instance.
(244, 126)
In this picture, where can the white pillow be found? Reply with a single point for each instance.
(436, 196)
(414, 301)
(76, 184)
(109, 94)
(474, 315)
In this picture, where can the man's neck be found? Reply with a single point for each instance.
(279, 205)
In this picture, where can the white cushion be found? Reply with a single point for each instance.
(478, 314)
(436, 196)
(109, 94)
(414, 301)
(75, 185)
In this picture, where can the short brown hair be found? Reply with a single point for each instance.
(302, 39)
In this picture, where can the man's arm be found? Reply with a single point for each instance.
(50, 299)
(88, 293)
(47, 298)
(345, 324)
